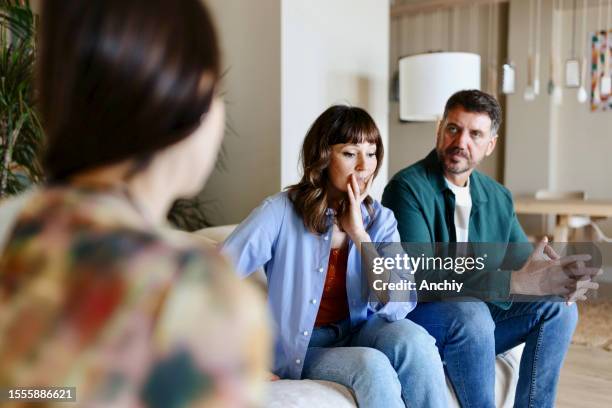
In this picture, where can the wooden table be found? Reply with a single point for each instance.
(563, 209)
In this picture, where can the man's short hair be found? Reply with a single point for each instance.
(473, 100)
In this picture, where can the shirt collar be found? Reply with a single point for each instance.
(455, 187)
(365, 215)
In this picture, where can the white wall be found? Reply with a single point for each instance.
(530, 137)
(333, 51)
(250, 39)
(289, 60)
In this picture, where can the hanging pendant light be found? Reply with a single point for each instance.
(508, 78)
(554, 90)
(572, 65)
(582, 94)
(529, 94)
(537, 25)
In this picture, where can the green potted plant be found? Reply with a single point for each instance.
(21, 133)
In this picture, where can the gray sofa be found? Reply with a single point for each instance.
(308, 393)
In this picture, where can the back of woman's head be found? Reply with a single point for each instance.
(338, 124)
(122, 79)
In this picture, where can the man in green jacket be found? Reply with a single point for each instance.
(443, 199)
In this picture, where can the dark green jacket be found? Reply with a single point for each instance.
(424, 207)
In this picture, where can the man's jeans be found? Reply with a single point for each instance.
(386, 364)
(470, 334)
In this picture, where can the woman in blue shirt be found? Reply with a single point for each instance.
(308, 239)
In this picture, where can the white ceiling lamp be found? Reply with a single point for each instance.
(426, 82)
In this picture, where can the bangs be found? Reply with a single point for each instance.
(338, 124)
(355, 126)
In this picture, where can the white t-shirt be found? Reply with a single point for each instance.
(463, 207)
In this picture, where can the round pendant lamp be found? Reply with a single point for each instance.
(426, 81)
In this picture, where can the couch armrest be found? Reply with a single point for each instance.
(217, 235)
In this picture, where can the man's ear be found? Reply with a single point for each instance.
(491, 145)
(438, 130)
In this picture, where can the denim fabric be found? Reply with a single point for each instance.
(386, 364)
(295, 260)
(470, 334)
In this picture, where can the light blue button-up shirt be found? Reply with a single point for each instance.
(295, 260)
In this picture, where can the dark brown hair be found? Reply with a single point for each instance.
(122, 79)
(338, 124)
(473, 100)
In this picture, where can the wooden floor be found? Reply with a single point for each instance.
(586, 379)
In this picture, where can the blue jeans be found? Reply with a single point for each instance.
(386, 364)
(470, 334)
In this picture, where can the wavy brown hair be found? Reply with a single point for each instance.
(338, 124)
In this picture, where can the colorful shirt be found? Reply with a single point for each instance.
(295, 261)
(92, 298)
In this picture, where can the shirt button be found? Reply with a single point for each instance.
(305, 333)
(313, 301)
(321, 270)
(298, 361)
(326, 237)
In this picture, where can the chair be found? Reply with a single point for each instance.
(587, 232)
(574, 222)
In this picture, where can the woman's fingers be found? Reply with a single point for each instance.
(368, 185)
(355, 185)
(360, 194)
(351, 195)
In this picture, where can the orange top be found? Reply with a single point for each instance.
(334, 303)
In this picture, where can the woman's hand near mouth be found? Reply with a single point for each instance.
(352, 221)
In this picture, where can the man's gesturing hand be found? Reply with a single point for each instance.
(545, 273)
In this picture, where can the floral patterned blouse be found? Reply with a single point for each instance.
(92, 298)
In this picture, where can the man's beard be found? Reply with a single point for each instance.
(455, 167)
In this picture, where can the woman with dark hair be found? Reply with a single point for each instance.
(94, 292)
(310, 240)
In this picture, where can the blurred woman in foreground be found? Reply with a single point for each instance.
(94, 294)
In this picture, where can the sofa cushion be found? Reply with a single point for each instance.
(308, 393)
